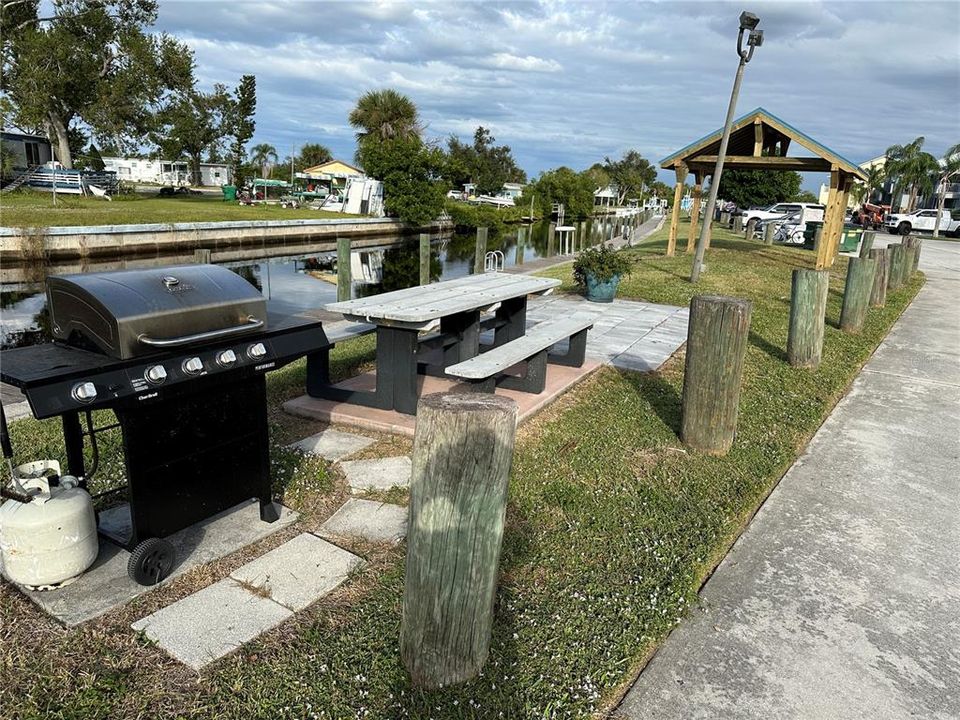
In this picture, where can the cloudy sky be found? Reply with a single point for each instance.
(567, 83)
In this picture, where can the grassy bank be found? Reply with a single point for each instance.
(36, 209)
(611, 528)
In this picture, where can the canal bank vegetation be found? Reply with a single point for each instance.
(612, 526)
(28, 208)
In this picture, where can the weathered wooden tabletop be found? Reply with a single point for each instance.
(419, 307)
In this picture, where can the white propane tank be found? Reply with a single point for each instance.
(52, 539)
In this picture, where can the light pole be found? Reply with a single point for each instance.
(748, 23)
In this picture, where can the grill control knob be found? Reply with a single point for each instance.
(225, 358)
(156, 374)
(256, 351)
(192, 366)
(84, 392)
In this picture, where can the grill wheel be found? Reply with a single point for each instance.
(151, 561)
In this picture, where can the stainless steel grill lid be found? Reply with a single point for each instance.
(129, 313)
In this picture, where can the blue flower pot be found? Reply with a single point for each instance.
(601, 291)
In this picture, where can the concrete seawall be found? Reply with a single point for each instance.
(228, 240)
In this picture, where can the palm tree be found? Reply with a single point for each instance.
(912, 169)
(863, 191)
(386, 115)
(949, 169)
(262, 155)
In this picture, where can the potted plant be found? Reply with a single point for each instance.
(598, 271)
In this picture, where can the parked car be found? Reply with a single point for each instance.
(778, 210)
(922, 221)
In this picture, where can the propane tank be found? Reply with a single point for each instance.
(52, 539)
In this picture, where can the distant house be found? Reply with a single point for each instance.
(605, 197)
(512, 190)
(166, 172)
(26, 150)
(332, 175)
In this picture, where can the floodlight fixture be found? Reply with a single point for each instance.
(748, 24)
(755, 39)
(748, 21)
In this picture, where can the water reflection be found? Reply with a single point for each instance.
(296, 283)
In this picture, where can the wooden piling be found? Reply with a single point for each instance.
(856, 294)
(716, 344)
(751, 228)
(808, 306)
(202, 256)
(738, 223)
(769, 230)
(895, 258)
(481, 250)
(878, 293)
(521, 241)
(462, 451)
(344, 279)
(912, 243)
(424, 258)
(866, 245)
(551, 239)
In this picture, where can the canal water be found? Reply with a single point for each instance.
(295, 283)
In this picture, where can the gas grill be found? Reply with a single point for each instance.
(180, 355)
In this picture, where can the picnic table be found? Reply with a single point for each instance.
(453, 308)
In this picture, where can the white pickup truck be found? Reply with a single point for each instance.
(922, 221)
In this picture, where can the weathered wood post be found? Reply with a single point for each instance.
(856, 294)
(738, 223)
(521, 241)
(551, 239)
(202, 256)
(895, 258)
(878, 293)
(344, 279)
(912, 244)
(918, 246)
(481, 250)
(424, 258)
(462, 451)
(751, 228)
(583, 235)
(769, 230)
(716, 345)
(866, 245)
(808, 306)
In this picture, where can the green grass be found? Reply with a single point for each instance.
(29, 208)
(611, 528)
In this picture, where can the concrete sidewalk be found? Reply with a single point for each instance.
(841, 600)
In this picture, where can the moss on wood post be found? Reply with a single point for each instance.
(481, 250)
(912, 243)
(462, 451)
(878, 293)
(716, 345)
(344, 281)
(866, 245)
(856, 294)
(769, 230)
(808, 306)
(424, 258)
(895, 258)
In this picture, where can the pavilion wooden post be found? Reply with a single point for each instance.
(856, 294)
(695, 212)
(895, 258)
(808, 306)
(681, 171)
(462, 452)
(480, 253)
(878, 293)
(424, 258)
(344, 280)
(824, 256)
(716, 346)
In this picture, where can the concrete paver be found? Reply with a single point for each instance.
(840, 599)
(378, 474)
(211, 623)
(368, 519)
(299, 572)
(332, 445)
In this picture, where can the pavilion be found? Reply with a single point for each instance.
(760, 140)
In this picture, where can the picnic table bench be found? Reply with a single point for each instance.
(452, 309)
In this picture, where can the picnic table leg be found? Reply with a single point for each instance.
(576, 353)
(397, 368)
(465, 327)
(513, 313)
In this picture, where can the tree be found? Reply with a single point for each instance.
(949, 169)
(240, 123)
(312, 154)
(630, 175)
(562, 185)
(912, 170)
(410, 172)
(385, 115)
(759, 188)
(262, 155)
(91, 63)
(805, 196)
(193, 123)
(864, 191)
(598, 176)
(486, 165)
